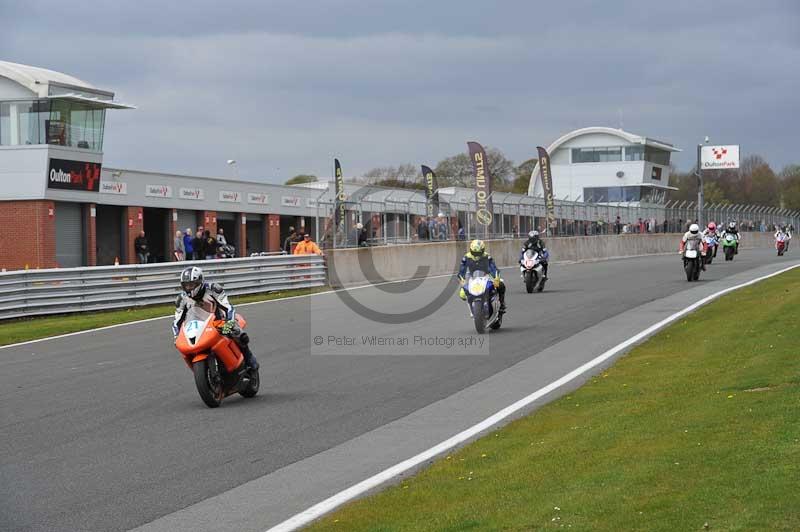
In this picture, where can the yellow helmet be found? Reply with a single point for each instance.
(477, 247)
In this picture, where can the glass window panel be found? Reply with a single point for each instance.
(5, 124)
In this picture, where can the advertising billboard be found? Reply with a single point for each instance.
(73, 175)
(719, 157)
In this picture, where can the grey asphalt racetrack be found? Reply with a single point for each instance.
(105, 430)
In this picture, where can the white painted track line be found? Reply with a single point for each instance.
(320, 509)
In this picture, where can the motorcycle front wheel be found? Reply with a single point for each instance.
(208, 382)
(529, 281)
(688, 267)
(478, 317)
(729, 253)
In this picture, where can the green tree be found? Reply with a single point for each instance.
(758, 184)
(457, 170)
(302, 178)
(790, 184)
(522, 176)
(713, 194)
(404, 176)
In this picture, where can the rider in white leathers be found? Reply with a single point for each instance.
(195, 292)
(693, 234)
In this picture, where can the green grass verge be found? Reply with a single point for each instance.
(24, 329)
(700, 425)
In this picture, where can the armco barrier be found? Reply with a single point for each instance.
(352, 267)
(54, 291)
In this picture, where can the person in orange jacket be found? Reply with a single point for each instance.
(307, 247)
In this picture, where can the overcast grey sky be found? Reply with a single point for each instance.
(284, 86)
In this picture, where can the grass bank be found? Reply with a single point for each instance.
(24, 329)
(697, 428)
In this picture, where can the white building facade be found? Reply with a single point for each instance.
(607, 165)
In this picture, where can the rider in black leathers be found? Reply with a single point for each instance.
(536, 244)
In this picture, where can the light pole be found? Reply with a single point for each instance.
(700, 195)
(232, 163)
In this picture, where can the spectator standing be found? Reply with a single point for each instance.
(199, 246)
(422, 229)
(666, 226)
(180, 249)
(361, 234)
(441, 227)
(210, 248)
(187, 245)
(618, 225)
(142, 249)
(307, 247)
(289, 240)
(432, 233)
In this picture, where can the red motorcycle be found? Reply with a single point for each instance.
(780, 245)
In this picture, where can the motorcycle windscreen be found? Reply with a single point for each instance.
(195, 322)
(477, 282)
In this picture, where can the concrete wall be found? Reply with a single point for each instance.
(350, 267)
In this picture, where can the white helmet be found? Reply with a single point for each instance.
(533, 234)
(694, 229)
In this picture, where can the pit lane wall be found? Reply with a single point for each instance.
(358, 266)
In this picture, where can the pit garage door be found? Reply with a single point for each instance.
(69, 234)
(187, 219)
(109, 234)
(255, 234)
(227, 221)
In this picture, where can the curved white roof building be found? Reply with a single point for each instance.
(607, 165)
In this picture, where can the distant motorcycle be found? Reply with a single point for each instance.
(692, 260)
(711, 246)
(780, 244)
(216, 361)
(483, 301)
(531, 271)
(226, 252)
(729, 244)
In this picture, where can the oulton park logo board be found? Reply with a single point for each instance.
(719, 157)
(73, 175)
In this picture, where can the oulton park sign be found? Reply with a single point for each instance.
(719, 157)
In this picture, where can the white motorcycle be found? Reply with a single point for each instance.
(483, 301)
(531, 271)
(692, 260)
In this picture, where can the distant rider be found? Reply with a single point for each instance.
(196, 291)
(732, 230)
(783, 233)
(477, 259)
(711, 231)
(536, 244)
(693, 234)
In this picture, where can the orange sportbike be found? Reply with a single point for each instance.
(216, 360)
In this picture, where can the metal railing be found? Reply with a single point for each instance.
(64, 290)
(389, 221)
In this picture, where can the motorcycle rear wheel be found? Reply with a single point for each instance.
(252, 387)
(208, 382)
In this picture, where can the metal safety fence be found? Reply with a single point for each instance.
(56, 291)
(391, 217)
